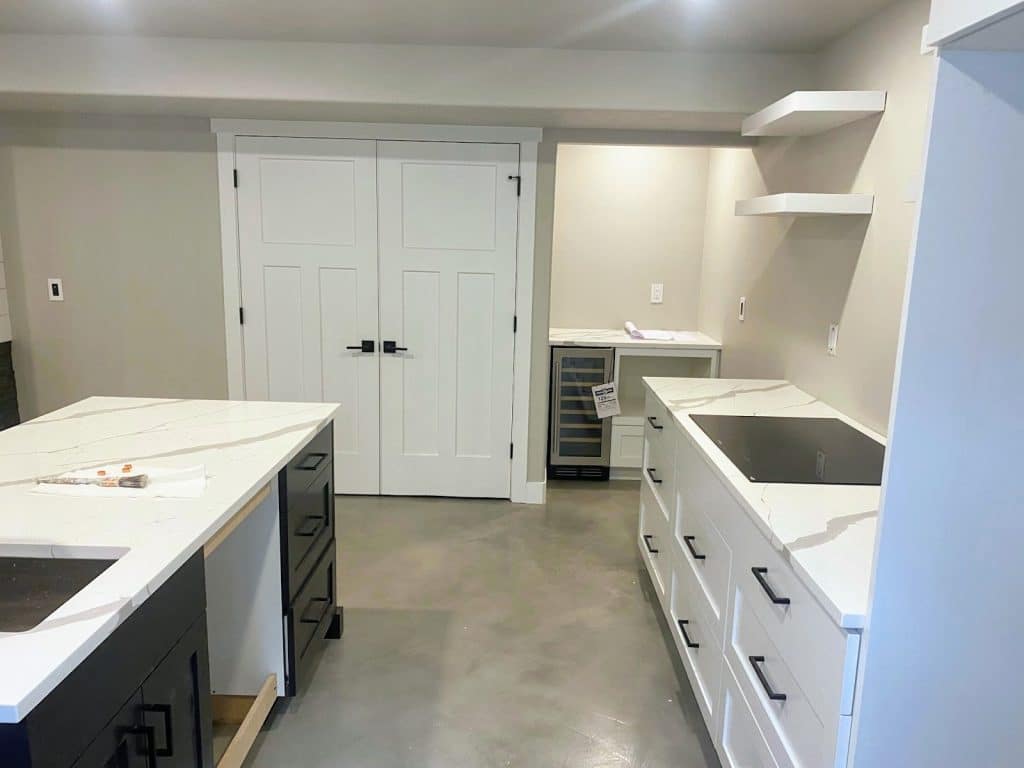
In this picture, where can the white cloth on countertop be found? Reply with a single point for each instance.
(164, 482)
(636, 333)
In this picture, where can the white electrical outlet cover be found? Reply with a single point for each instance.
(55, 289)
(657, 293)
(833, 339)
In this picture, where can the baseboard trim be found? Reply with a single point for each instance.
(624, 473)
(535, 493)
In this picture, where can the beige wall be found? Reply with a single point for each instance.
(626, 217)
(127, 216)
(800, 275)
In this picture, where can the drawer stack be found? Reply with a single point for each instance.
(308, 555)
(772, 673)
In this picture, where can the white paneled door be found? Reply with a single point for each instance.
(307, 220)
(448, 220)
(408, 248)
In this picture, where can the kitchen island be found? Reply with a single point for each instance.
(249, 549)
(764, 585)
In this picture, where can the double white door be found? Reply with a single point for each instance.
(381, 275)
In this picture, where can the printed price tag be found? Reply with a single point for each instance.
(606, 400)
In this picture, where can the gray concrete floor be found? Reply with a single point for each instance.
(483, 633)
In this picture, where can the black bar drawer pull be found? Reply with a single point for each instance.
(366, 345)
(647, 541)
(686, 637)
(165, 710)
(688, 541)
(651, 471)
(654, 423)
(327, 606)
(759, 574)
(756, 662)
(307, 531)
(311, 462)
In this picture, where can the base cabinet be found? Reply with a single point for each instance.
(771, 671)
(167, 722)
(140, 699)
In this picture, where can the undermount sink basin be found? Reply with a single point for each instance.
(32, 588)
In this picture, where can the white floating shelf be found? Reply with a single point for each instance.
(803, 113)
(805, 204)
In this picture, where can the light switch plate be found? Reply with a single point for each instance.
(743, 308)
(55, 289)
(657, 293)
(833, 338)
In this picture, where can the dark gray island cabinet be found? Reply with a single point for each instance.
(148, 695)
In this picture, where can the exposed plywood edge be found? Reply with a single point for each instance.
(228, 528)
(807, 204)
(804, 113)
(252, 721)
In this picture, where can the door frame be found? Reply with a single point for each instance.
(227, 130)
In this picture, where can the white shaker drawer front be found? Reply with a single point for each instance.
(795, 732)
(743, 744)
(698, 637)
(703, 550)
(659, 468)
(627, 446)
(654, 542)
(822, 656)
(656, 415)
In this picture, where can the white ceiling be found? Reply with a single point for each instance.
(726, 25)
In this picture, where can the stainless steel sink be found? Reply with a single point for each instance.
(31, 588)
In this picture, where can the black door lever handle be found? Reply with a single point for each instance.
(367, 345)
(390, 347)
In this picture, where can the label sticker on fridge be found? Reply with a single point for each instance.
(606, 400)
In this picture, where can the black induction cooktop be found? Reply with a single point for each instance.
(776, 449)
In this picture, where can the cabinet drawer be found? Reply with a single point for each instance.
(794, 730)
(307, 526)
(317, 453)
(653, 542)
(743, 744)
(703, 550)
(698, 636)
(656, 415)
(659, 468)
(822, 657)
(627, 445)
(308, 619)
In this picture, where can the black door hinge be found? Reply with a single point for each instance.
(519, 184)
(511, 450)
(515, 323)
(236, 178)
(241, 316)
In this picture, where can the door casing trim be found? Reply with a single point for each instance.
(527, 139)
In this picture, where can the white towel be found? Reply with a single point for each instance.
(636, 333)
(164, 482)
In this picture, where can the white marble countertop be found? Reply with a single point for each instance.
(826, 532)
(242, 444)
(601, 337)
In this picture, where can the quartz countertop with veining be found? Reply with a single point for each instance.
(242, 445)
(610, 337)
(826, 532)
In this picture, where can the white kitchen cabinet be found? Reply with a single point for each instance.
(978, 24)
(772, 671)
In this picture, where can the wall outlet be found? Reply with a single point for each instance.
(833, 339)
(743, 308)
(55, 289)
(657, 293)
